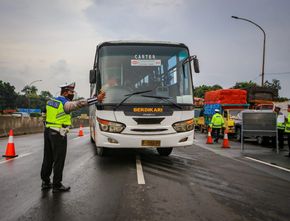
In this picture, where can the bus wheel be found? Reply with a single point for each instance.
(92, 140)
(164, 151)
(101, 151)
(91, 135)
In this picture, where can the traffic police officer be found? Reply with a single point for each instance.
(217, 122)
(287, 129)
(280, 127)
(58, 120)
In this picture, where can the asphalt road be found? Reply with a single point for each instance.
(191, 184)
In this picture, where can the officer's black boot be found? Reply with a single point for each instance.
(46, 185)
(60, 188)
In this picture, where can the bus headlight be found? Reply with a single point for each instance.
(183, 126)
(110, 126)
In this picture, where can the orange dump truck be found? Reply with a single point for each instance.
(229, 101)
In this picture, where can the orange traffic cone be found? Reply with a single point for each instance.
(209, 138)
(81, 133)
(226, 140)
(10, 149)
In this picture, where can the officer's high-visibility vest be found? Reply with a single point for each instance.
(55, 115)
(280, 125)
(217, 121)
(287, 125)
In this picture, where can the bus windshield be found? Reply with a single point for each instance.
(158, 69)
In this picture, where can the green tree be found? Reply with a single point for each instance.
(244, 85)
(29, 90)
(45, 94)
(33, 90)
(7, 96)
(21, 101)
(275, 84)
(43, 98)
(200, 90)
(26, 90)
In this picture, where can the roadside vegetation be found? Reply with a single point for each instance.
(10, 100)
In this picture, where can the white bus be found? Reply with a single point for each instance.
(149, 96)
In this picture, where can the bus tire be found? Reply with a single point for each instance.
(164, 151)
(101, 151)
(91, 135)
(92, 140)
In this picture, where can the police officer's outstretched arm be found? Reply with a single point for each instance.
(74, 105)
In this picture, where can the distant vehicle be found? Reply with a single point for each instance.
(20, 114)
(197, 114)
(238, 127)
(229, 101)
(261, 98)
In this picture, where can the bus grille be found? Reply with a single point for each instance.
(148, 130)
(148, 120)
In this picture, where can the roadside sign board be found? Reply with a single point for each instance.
(26, 110)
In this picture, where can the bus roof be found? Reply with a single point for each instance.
(129, 42)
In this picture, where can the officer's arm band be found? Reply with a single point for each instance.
(92, 100)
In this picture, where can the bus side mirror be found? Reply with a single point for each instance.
(193, 61)
(195, 64)
(93, 76)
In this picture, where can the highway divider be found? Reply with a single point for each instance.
(29, 125)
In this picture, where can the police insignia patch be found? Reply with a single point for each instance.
(54, 104)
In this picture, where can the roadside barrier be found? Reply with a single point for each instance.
(209, 138)
(226, 140)
(10, 149)
(81, 132)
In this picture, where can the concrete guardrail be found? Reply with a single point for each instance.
(29, 125)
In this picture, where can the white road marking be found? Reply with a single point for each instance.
(80, 137)
(76, 138)
(20, 156)
(269, 164)
(140, 176)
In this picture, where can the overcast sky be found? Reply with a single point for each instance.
(54, 41)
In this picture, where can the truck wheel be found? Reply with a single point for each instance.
(260, 140)
(164, 151)
(101, 151)
(238, 134)
(263, 140)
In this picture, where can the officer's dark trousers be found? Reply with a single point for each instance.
(281, 138)
(288, 140)
(216, 134)
(55, 147)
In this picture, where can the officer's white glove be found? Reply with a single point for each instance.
(63, 131)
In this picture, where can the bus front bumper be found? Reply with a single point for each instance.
(113, 140)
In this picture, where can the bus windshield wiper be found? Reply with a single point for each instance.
(130, 95)
(165, 99)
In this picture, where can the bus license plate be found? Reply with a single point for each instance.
(154, 143)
